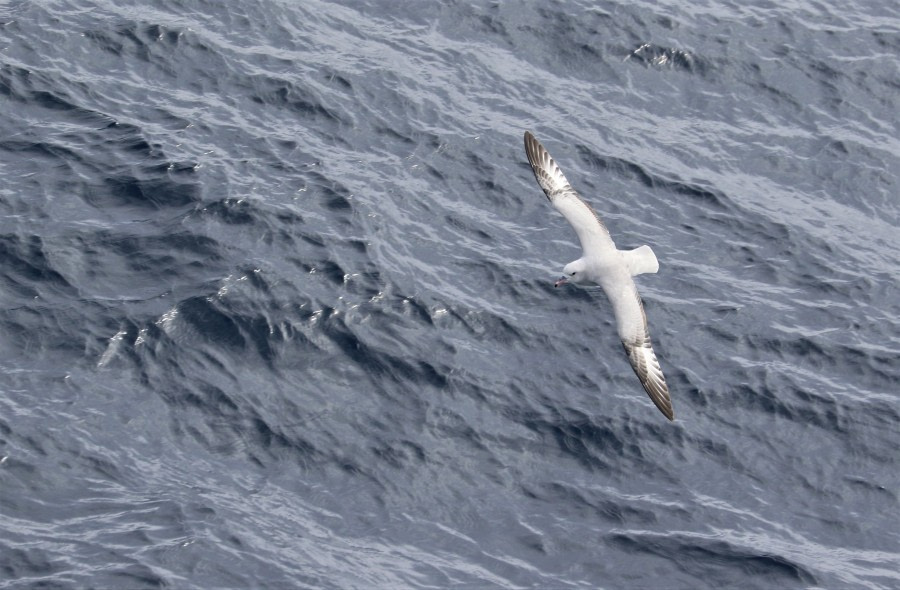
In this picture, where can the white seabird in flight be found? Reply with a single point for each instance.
(605, 265)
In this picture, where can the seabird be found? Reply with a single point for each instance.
(603, 264)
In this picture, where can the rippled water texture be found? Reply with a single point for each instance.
(277, 304)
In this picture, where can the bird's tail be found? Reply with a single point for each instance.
(640, 260)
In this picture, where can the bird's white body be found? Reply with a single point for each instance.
(612, 269)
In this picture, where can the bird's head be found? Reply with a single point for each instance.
(572, 273)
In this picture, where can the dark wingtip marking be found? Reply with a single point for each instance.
(670, 415)
(536, 153)
(660, 398)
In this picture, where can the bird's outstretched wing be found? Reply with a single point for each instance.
(643, 361)
(592, 234)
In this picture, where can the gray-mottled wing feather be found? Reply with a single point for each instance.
(646, 366)
(592, 233)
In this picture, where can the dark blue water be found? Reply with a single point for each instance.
(277, 304)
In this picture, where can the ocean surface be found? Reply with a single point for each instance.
(277, 304)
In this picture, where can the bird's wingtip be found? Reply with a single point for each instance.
(529, 139)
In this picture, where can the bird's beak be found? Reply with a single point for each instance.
(560, 281)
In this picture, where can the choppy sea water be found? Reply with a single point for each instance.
(277, 304)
